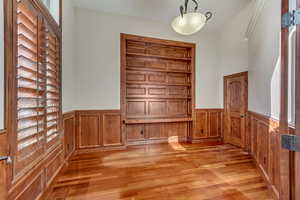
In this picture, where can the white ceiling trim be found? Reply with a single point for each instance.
(258, 6)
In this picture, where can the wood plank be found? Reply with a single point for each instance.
(168, 171)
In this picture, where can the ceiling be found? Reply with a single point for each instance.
(166, 10)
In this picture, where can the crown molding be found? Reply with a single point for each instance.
(258, 6)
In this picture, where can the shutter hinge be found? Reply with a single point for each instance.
(291, 142)
(290, 19)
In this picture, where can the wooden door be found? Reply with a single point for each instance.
(236, 105)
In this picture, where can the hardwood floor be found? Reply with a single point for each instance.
(162, 172)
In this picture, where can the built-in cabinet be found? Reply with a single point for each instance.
(157, 132)
(208, 125)
(98, 129)
(157, 88)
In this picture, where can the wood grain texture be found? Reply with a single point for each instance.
(98, 129)
(208, 124)
(3, 172)
(235, 108)
(265, 148)
(28, 180)
(156, 133)
(157, 86)
(168, 171)
(69, 126)
(284, 156)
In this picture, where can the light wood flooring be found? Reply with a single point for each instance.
(162, 172)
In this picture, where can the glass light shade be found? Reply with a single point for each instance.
(189, 24)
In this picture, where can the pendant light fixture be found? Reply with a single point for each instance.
(190, 23)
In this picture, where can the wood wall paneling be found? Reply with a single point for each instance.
(97, 129)
(135, 132)
(208, 124)
(265, 148)
(157, 87)
(69, 125)
(112, 134)
(157, 132)
(89, 131)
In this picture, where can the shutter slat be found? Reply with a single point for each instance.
(38, 86)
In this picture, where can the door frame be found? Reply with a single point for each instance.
(284, 154)
(296, 155)
(225, 78)
(8, 66)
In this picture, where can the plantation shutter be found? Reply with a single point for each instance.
(30, 87)
(38, 88)
(53, 88)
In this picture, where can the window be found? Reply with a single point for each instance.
(291, 68)
(38, 86)
(54, 8)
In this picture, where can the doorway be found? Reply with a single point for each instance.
(236, 106)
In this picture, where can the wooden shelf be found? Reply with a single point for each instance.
(157, 56)
(157, 70)
(153, 121)
(139, 97)
(157, 84)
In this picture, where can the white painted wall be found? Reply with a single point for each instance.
(264, 62)
(98, 58)
(233, 47)
(1, 66)
(68, 57)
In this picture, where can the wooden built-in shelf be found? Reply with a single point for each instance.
(157, 88)
(158, 70)
(158, 56)
(153, 121)
(158, 84)
(137, 97)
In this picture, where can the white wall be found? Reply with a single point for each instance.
(68, 56)
(233, 47)
(264, 62)
(1, 66)
(98, 58)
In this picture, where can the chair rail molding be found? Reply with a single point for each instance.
(258, 6)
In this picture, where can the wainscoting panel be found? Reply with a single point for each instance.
(208, 125)
(37, 182)
(69, 125)
(96, 129)
(112, 134)
(263, 143)
(156, 133)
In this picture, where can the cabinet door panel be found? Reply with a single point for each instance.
(89, 131)
(112, 130)
(156, 131)
(135, 132)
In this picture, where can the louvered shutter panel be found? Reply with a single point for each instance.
(53, 88)
(30, 87)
